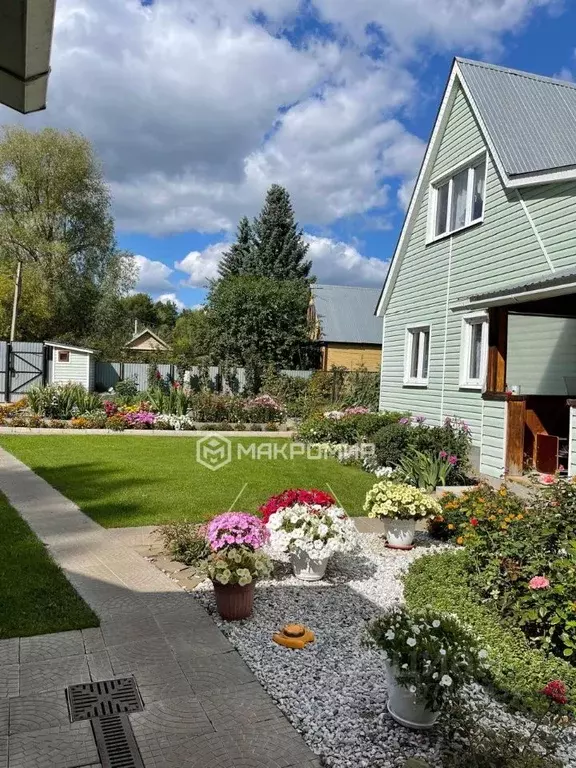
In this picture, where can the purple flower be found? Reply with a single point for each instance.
(236, 529)
(404, 420)
(453, 460)
(419, 419)
(443, 455)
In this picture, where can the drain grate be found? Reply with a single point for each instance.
(87, 701)
(116, 742)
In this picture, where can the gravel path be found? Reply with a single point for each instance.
(334, 691)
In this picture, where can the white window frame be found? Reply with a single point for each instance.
(468, 321)
(419, 380)
(470, 163)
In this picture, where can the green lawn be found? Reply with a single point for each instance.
(126, 481)
(35, 596)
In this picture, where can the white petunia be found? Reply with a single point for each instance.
(390, 635)
(482, 654)
(412, 689)
(435, 623)
(446, 681)
(411, 642)
(442, 652)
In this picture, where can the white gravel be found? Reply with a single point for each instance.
(334, 691)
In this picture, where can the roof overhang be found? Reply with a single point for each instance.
(71, 347)
(520, 293)
(26, 28)
(146, 332)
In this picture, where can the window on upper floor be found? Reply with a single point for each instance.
(474, 351)
(417, 355)
(458, 200)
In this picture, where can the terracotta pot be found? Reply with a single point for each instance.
(233, 601)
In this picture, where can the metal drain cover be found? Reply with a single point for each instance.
(116, 742)
(87, 701)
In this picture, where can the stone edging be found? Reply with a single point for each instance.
(139, 432)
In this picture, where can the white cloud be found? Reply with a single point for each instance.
(171, 297)
(152, 276)
(202, 266)
(338, 263)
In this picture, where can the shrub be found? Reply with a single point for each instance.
(344, 426)
(186, 542)
(126, 389)
(172, 400)
(481, 503)
(517, 671)
(263, 408)
(424, 470)
(390, 444)
(62, 401)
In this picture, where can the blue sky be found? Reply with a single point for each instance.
(196, 106)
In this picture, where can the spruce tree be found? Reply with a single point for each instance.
(236, 261)
(279, 249)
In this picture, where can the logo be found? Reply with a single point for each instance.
(213, 451)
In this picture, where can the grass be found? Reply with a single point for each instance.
(35, 596)
(128, 481)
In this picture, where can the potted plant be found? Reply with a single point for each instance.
(310, 534)
(295, 496)
(429, 657)
(399, 505)
(235, 562)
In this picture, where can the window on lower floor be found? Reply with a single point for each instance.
(63, 357)
(474, 351)
(417, 355)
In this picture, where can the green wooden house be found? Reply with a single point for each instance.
(479, 304)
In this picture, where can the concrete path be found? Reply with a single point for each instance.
(203, 707)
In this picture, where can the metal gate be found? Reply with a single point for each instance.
(25, 368)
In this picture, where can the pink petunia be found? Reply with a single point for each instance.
(539, 582)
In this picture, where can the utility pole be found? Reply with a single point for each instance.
(17, 287)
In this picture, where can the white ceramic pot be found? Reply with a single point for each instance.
(407, 708)
(400, 533)
(307, 569)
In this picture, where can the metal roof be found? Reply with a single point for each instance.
(555, 281)
(346, 314)
(531, 119)
(72, 347)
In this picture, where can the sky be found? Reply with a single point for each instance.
(196, 106)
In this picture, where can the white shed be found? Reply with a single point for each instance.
(70, 364)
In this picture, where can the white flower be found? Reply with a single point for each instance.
(435, 676)
(411, 642)
(412, 689)
(390, 635)
(442, 652)
(435, 623)
(482, 654)
(404, 666)
(446, 681)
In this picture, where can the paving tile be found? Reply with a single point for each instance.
(125, 629)
(161, 681)
(9, 680)
(38, 711)
(173, 601)
(93, 640)
(99, 666)
(182, 716)
(144, 652)
(188, 647)
(204, 674)
(4, 705)
(54, 646)
(58, 673)
(239, 707)
(9, 651)
(61, 747)
(189, 624)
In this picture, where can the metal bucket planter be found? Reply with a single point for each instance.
(307, 569)
(400, 533)
(407, 708)
(233, 601)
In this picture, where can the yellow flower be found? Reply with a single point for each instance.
(492, 518)
(502, 492)
(450, 527)
(460, 540)
(519, 517)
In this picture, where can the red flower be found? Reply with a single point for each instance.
(555, 690)
(474, 521)
(295, 496)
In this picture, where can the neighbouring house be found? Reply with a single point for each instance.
(479, 305)
(70, 364)
(146, 341)
(343, 323)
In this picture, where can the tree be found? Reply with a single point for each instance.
(55, 221)
(139, 308)
(236, 261)
(279, 249)
(258, 320)
(191, 340)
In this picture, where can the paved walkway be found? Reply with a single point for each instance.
(203, 707)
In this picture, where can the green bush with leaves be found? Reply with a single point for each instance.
(185, 542)
(424, 470)
(172, 400)
(63, 401)
(343, 427)
(518, 671)
(126, 390)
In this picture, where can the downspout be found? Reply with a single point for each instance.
(446, 311)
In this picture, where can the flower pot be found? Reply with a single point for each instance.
(405, 707)
(400, 533)
(307, 569)
(233, 601)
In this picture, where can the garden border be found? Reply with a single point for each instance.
(142, 432)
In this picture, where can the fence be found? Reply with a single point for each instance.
(22, 365)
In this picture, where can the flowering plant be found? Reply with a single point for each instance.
(138, 419)
(429, 653)
(295, 496)
(236, 529)
(236, 565)
(399, 501)
(312, 529)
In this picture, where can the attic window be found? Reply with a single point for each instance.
(63, 356)
(459, 200)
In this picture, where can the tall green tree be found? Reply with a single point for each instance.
(192, 337)
(236, 261)
(279, 249)
(55, 221)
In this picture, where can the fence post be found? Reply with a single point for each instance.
(7, 372)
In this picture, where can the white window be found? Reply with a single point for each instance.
(474, 351)
(459, 200)
(417, 355)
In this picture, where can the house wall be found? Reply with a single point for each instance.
(493, 437)
(76, 370)
(542, 355)
(352, 356)
(434, 277)
(146, 344)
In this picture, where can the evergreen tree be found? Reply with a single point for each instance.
(279, 249)
(235, 261)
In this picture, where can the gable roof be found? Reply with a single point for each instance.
(517, 109)
(146, 332)
(346, 314)
(522, 144)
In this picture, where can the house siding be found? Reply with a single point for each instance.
(76, 370)
(434, 277)
(493, 438)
